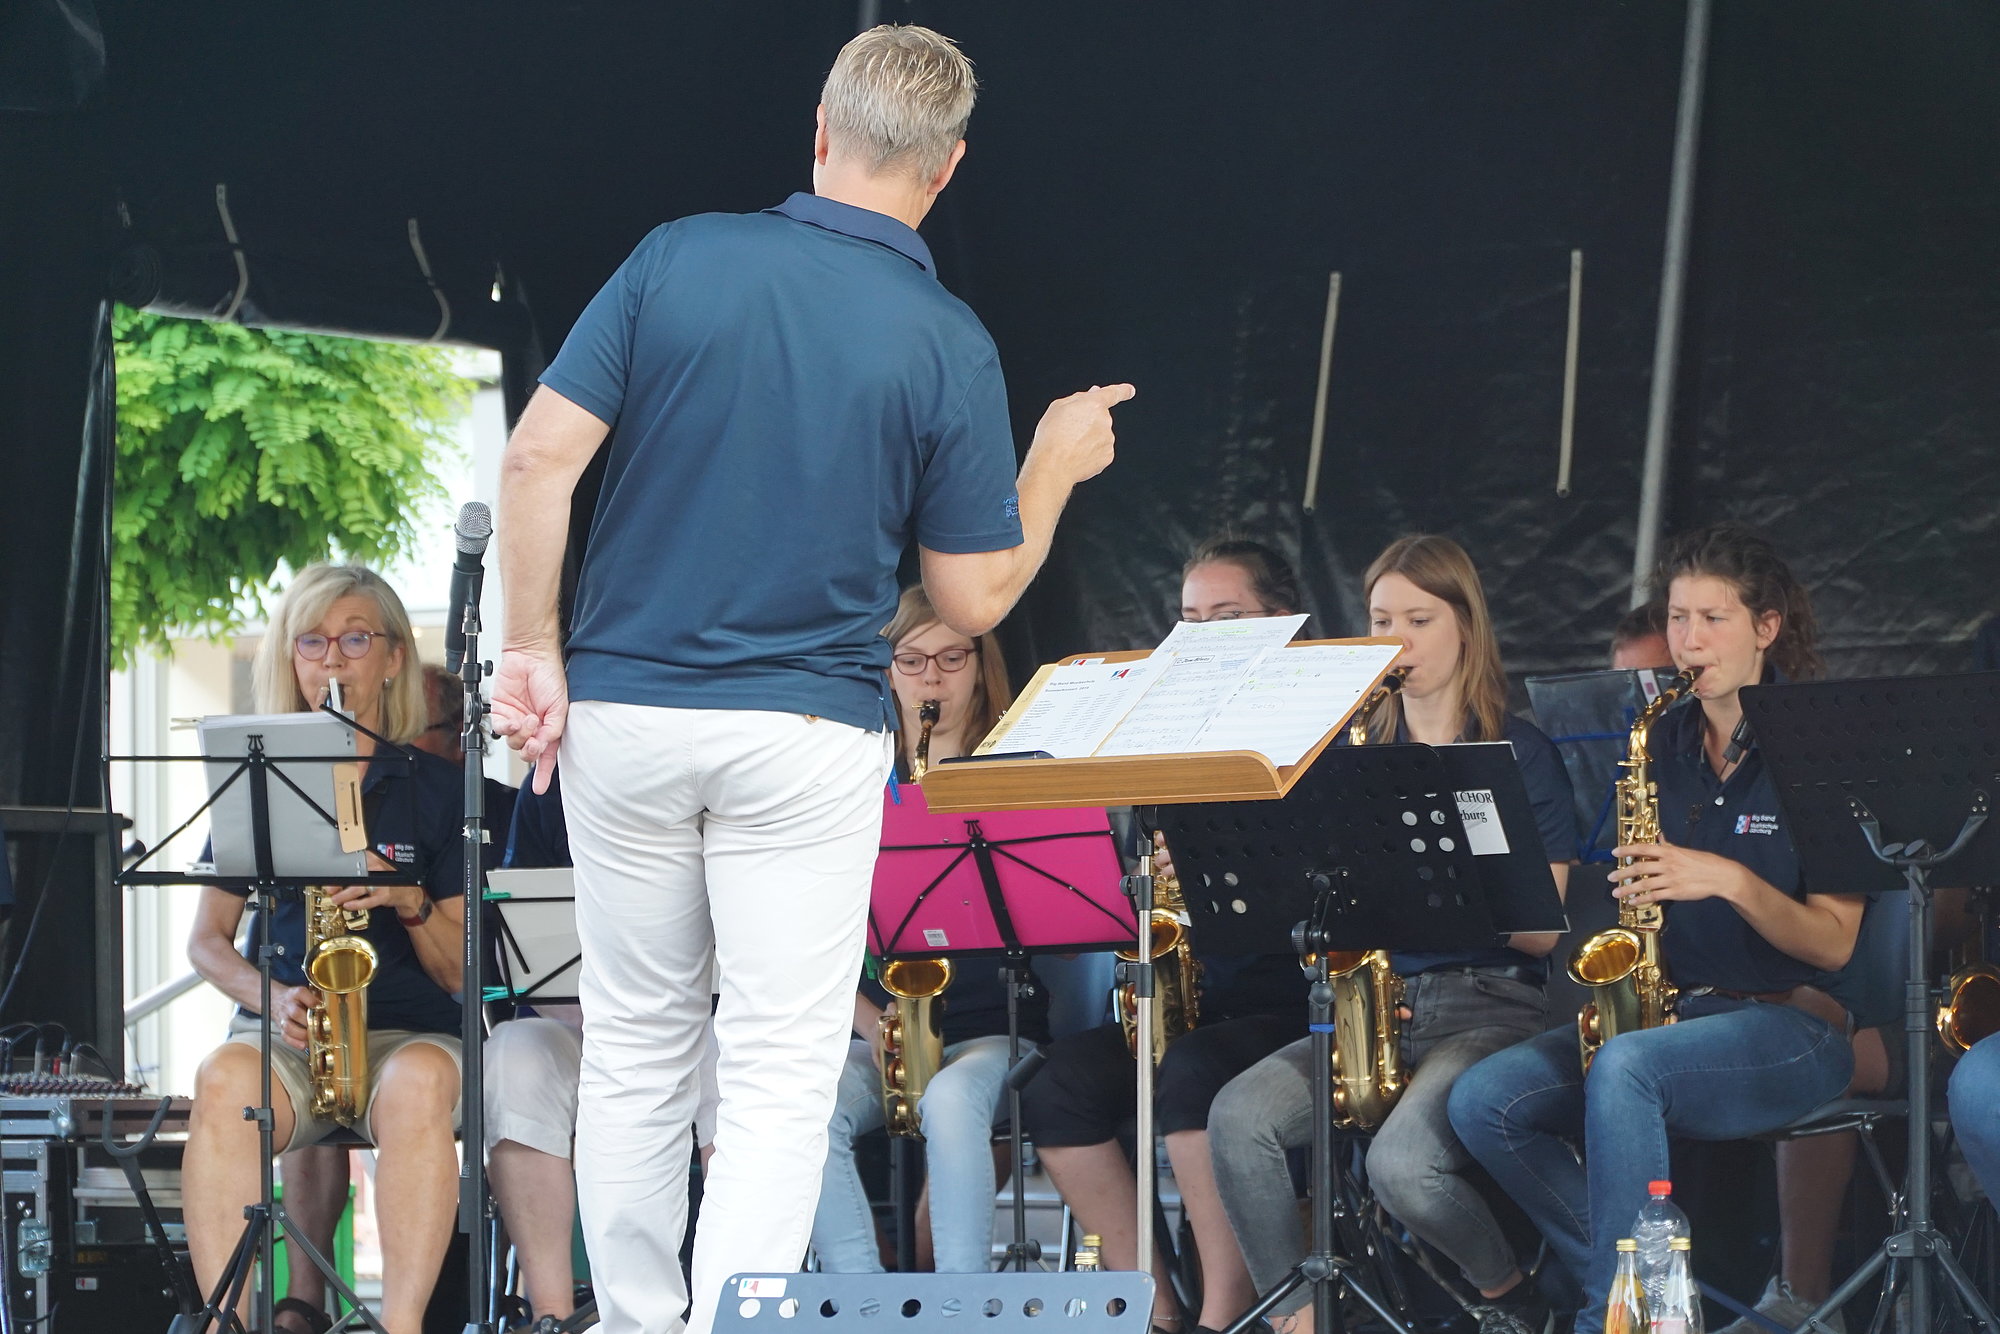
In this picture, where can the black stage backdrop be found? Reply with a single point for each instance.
(1154, 193)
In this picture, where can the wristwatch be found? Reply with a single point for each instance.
(423, 913)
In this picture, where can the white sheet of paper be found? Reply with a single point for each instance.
(1481, 816)
(1251, 632)
(1292, 698)
(1189, 687)
(1075, 709)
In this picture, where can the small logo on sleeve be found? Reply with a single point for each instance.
(1013, 507)
(1756, 824)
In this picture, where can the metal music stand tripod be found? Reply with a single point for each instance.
(1919, 756)
(1035, 882)
(256, 1245)
(1396, 846)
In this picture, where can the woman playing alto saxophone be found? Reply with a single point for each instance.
(345, 624)
(967, 681)
(1457, 1007)
(1742, 933)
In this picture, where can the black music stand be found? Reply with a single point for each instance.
(1921, 757)
(1387, 847)
(263, 1220)
(1033, 875)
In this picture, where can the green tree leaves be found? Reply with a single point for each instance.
(243, 449)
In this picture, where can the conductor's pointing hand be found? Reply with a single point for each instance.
(1074, 438)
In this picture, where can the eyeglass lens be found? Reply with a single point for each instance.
(354, 644)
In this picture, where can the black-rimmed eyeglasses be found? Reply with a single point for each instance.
(353, 644)
(948, 660)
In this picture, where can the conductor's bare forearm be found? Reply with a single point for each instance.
(551, 445)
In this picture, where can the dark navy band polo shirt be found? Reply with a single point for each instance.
(793, 398)
(1706, 942)
(539, 835)
(415, 824)
(1553, 799)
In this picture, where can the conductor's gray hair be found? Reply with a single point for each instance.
(898, 98)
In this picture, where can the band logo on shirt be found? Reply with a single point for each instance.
(399, 854)
(1756, 824)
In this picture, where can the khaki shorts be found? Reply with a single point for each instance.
(289, 1072)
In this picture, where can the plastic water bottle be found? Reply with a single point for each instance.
(1654, 1230)
(1679, 1311)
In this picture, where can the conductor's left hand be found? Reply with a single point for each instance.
(531, 706)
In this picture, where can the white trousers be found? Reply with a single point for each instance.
(746, 840)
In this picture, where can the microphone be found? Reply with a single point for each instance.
(468, 571)
(1739, 741)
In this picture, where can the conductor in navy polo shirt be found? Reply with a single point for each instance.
(790, 398)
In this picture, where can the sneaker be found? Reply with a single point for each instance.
(1529, 1317)
(1782, 1306)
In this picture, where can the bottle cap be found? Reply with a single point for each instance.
(1627, 1244)
(1679, 1244)
(1091, 1239)
(1660, 1187)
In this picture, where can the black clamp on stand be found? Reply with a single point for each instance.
(258, 767)
(1915, 755)
(1404, 847)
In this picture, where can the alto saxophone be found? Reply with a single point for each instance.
(1971, 1009)
(339, 966)
(912, 1048)
(1176, 973)
(1628, 983)
(1368, 1074)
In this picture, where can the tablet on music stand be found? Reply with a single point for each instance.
(996, 882)
(314, 807)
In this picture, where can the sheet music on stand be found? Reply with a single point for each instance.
(1213, 686)
(541, 957)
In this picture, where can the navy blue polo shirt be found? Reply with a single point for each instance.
(539, 835)
(792, 399)
(1706, 942)
(414, 824)
(1553, 799)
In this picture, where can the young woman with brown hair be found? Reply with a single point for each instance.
(1460, 1006)
(1743, 933)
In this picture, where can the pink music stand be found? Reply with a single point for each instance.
(997, 882)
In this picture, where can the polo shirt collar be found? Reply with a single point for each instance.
(863, 223)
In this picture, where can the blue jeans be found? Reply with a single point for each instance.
(958, 1110)
(1975, 1112)
(1729, 1070)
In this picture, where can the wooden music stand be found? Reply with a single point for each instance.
(1118, 780)
(994, 784)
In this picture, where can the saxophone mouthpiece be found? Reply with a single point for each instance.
(332, 700)
(927, 712)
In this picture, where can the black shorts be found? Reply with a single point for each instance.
(1083, 1093)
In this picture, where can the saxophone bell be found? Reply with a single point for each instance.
(912, 1039)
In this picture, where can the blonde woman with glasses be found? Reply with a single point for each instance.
(345, 624)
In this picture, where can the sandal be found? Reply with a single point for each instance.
(316, 1320)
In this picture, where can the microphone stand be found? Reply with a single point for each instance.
(474, 1210)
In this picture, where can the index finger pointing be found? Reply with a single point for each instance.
(1110, 395)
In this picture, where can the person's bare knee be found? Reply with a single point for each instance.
(230, 1079)
(416, 1087)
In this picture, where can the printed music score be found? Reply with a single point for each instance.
(1213, 686)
